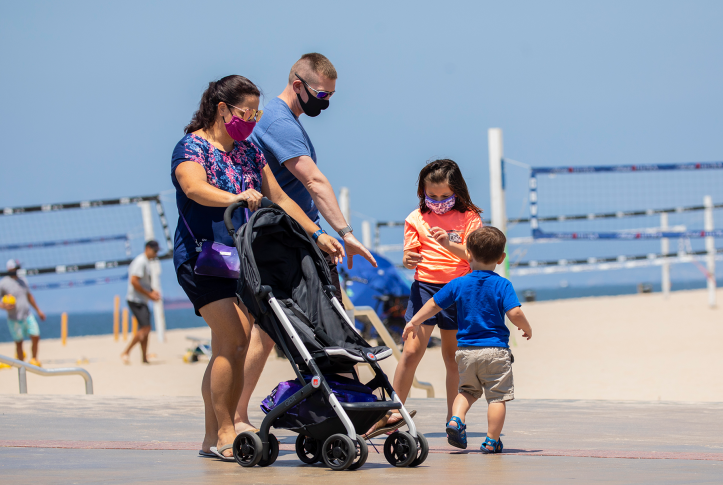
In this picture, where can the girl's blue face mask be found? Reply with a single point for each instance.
(441, 206)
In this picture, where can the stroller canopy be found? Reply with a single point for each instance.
(275, 251)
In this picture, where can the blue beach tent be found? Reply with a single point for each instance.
(364, 282)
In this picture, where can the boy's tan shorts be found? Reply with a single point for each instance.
(487, 369)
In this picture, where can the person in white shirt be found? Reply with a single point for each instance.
(139, 292)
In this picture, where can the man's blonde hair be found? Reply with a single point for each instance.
(312, 65)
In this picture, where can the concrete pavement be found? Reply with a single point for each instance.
(88, 439)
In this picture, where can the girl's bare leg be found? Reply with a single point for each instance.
(449, 348)
(412, 354)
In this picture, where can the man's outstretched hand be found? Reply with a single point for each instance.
(354, 247)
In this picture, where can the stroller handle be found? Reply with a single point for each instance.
(242, 204)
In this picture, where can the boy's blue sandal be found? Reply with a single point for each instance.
(457, 435)
(496, 445)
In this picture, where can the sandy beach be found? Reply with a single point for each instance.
(633, 347)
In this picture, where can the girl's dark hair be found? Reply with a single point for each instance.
(230, 90)
(446, 171)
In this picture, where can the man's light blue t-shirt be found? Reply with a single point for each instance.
(483, 298)
(280, 137)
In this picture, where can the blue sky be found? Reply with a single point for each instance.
(95, 95)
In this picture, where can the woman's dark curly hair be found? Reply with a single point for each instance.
(230, 90)
(445, 171)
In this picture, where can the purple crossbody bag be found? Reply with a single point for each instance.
(216, 259)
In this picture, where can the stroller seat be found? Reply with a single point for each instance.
(276, 254)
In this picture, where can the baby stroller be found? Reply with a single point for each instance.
(286, 286)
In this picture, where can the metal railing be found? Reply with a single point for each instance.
(369, 313)
(24, 367)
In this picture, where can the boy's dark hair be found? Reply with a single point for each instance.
(486, 244)
(445, 171)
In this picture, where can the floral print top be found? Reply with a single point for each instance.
(235, 171)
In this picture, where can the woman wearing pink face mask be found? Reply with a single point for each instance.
(212, 167)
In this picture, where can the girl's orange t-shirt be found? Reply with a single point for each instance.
(439, 265)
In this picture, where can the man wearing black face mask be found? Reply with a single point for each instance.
(291, 156)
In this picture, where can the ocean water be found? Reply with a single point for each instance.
(101, 323)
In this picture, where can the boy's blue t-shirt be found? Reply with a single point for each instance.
(281, 137)
(483, 298)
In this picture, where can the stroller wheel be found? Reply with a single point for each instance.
(308, 449)
(338, 452)
(247, 449)
(362, 453)
(273, 452)
(400, 449)
(423, 450)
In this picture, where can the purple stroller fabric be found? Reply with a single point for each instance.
(314, 410)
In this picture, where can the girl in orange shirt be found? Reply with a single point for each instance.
(434, 245)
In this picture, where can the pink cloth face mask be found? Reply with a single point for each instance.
(239, 129)
(442, 206)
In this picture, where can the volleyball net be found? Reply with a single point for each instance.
(626, 201)
(88, 235)
(53, 242)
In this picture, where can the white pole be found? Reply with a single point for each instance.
(665, 249)
(710, 248)
(497, 189)
(366, 234)
(344, 204)
(159, 314)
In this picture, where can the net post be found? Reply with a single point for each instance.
(116, 317)
(64, 328)
(159, 315)
(497, 188)
(125, 324)
(665, 249)
(344, 204)
(710, 249)
(377, 236)
(366, 234)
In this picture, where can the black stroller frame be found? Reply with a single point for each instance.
(335, 442)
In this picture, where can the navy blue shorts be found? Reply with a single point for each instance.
(202, 290)
(421, 293)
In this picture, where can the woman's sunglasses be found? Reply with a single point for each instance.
(248, 114)
(318, 94)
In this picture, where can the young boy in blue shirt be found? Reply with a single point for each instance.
(483, 355)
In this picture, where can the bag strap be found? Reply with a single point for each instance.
(187, 227)
(246, 211)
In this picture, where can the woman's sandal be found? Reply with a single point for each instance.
(457, 435)
(219, 452)
(381, 427)
(496, 445)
